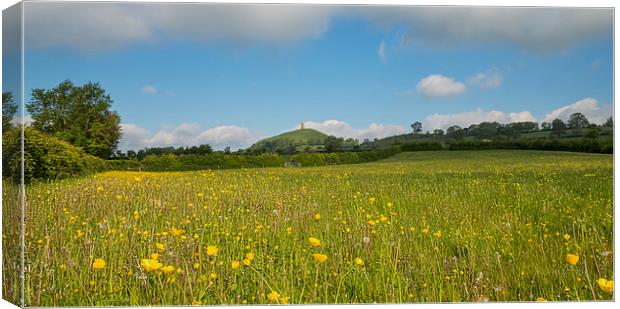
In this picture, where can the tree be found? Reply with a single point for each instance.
(545, 126)
(438, 132)
(577, 121)
(593, 133)
(9, 108)
(558, 127)
(455, 132)
(333, 143)
(78, 114)
(417, 127)
(609, 122)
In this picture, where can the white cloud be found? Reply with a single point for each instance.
(186, 134)
(92, 27)
(381, 51)
(149, 89)
(17, 120)
(439, 86)
(344, 129)
(443, 121)
(588, 107)
(486, 80)
(528, 28)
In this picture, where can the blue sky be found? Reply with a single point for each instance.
(228, 75)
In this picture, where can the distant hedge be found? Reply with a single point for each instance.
(580, 145)
(334, 158)
(172, 162)
(45, 157)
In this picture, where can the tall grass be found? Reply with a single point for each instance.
(429, 227)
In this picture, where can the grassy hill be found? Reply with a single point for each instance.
(298, 140)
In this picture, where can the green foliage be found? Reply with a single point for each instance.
(77, 114)
(347, 157)
(45, 157)
(9, 108)
(170, 162)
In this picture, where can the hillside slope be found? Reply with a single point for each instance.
(301, 138)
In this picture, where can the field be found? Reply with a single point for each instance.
(419, 227)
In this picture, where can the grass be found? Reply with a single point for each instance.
(460, 226)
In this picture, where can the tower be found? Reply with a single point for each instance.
(301, 125)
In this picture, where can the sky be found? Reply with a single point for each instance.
(228, 75)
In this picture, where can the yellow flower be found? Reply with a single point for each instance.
(176, 232)
(196, 303)
(320, 258)
(92, 282)
(150, 265)
(250, 256)
(372, 200)
(541, 299)
(246, 262)
(154, 256)
(235, 264)
(62, 266)
(273, 296)
(606, 285)
(160, 247)
(284, 300)
(359, 261)
(566, 237)
(212, 250)
(167, 270)
(572, 259)
(98, 264)
(317, 216)
(289, 230)
(314, 242)
(213, 275)
(196, 265)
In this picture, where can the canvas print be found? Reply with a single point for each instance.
(230, 154)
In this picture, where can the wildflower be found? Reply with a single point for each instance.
(196, 265)
(196, 303)
(572, 259)
(541, 299)
(235, 264)
(317, 216)
(366, 240)
(176, 232)
(314, 242)
(167, 269)
(212, 250)
(62, 266)
(273, 296)
(92, 282)
(150, 265)
(359, 261)
(213, 275)
(372, 200)
(320, 258)
(389, 205)
(606, 285)
(566, 237)
(98, 264)
(246, 262)
(154, 256)
(160, 247)
(289, 230)
(437, 234)
(249, 256)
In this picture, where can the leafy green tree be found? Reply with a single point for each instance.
(417, 127)
(80, 115)
(333, 143)
(455, 132)
(593, 133)
(558, 127)
(609, 122)
(578, 121)
(9, 108)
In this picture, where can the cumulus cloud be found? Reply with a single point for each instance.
(588, 107)
(439, 86)
(486, 80)
(104, 26)
(528, 28)
(186, 134)
(443, 121)
(149, 89)
(344, 129)
(381, 51)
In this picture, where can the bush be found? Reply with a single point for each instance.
(45, 157)
(170, 162)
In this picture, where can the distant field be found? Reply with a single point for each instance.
(418, 227)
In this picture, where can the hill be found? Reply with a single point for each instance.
(298, 140)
